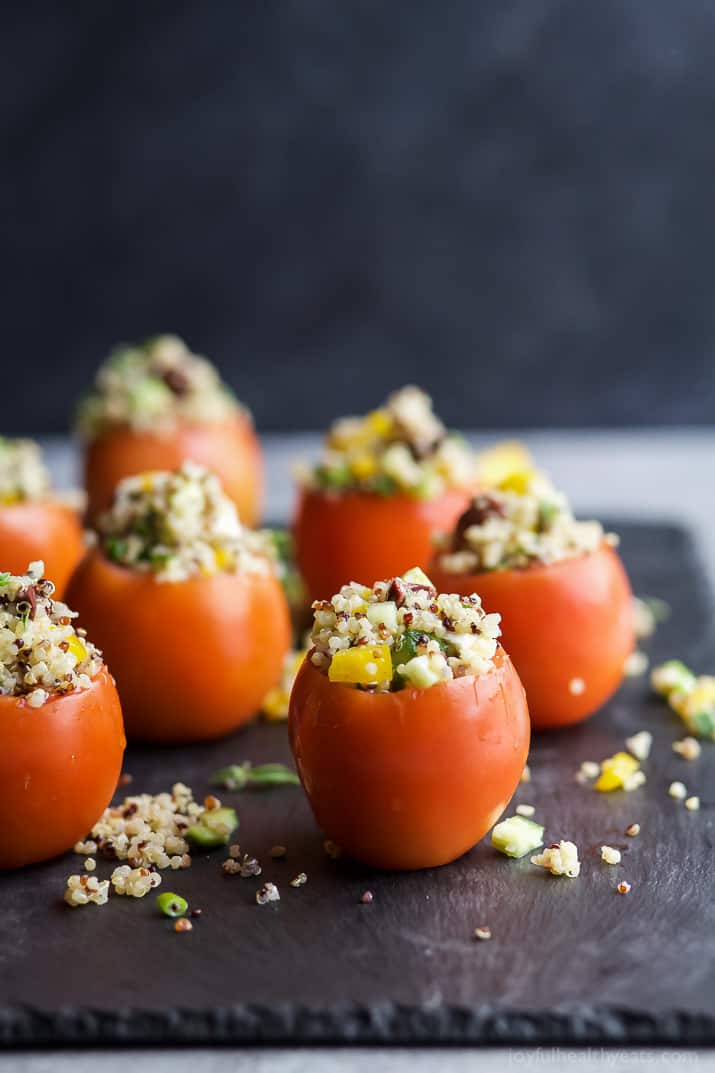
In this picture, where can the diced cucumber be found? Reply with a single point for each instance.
(384, 614)
(214, 828)
(702, 724)
(517, 836)
(672, 676)
(415, 576)
(419, 673)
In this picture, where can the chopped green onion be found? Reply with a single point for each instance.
(172, 905)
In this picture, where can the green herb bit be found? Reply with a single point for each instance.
(172, 905)
(334, 477)
(116, 549)
(246, 776)
(4, 578)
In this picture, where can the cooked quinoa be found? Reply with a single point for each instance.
(85, 890)
(41, 653)
(178, 524)
(560, 858)
(401, 448)
(23, 474)
(151, 386)
(401, 632)
(146, 830)
(522, 521)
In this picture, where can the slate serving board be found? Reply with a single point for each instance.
(569, 961)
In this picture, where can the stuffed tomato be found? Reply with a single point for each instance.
(35, 523)
(408, 723)
(560, 587)
(186, 605)
(61, 733)
(386, 484)
(157, 405)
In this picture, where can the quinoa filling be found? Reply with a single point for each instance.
(523, 520)
(23, 474)
(153, 385)
(401, 633)
(41, 653)
(180, 524)
(401, 448)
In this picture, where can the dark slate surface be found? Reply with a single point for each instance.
(480, 193)
(569, 961)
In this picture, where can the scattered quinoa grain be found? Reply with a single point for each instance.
(332, 849)
(231, 867)
(610, 855)
(590, 769)
(525, 810)
(678, 791)
(483, 934)
(183, 924)
(85, 848)
(268, 893)
(367, 897)
(234, 851)
(211, 802)
(300, 880)
(633, 829)
(278, 852)
(688, 748)
(636, 664)
(692, 804)
(250, 867)
(125, 779)
(83, 890)
(134, 882)
(623, 887)
(526, 774)
(90, 864)
(561, 859)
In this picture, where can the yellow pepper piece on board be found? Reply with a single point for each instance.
(502, 461)
(363, 666)
(76, 647)
(615, 770)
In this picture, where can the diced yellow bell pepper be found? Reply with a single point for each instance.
(518, 482)
(505, 459)
(363, 466)
(379, 423)
(9, 498)
(276, 701)
(77, 648)
(147, 482)
(614, 770)
(223, 558)
(364, 665)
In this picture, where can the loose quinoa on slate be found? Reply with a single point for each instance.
(401, 448)
(179, 524)
(41, 653)
(23, 474)
(401, 632)
(524, 520)
(153, 385)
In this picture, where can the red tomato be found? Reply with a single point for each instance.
(409, 779)
(362, 536)
(192, 659)
(563, 625)
(59, 766)
(41, 529)
(230, 448)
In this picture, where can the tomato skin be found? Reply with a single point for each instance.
(59, 767)
(192, 659)
(41, 529)
(411, 779)
(571, 619)
(362, 536)
(228, 447)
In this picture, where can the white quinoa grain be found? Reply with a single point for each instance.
(610, 855)
(678, 791)
(636, 664)
(623, 887)
(300, 880)
(633, 829)
(483, 934)
(692, 804)
(525, 810)
(134, 882)
(278, 852)
(590, 769)
(90, 864)
(689, 748)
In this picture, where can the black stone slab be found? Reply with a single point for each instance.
(569, 962)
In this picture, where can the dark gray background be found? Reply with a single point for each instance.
(510, 202)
